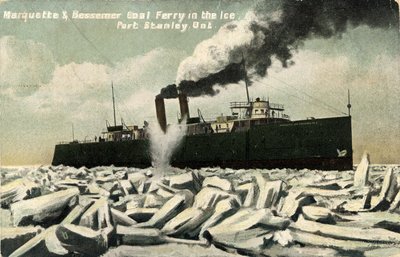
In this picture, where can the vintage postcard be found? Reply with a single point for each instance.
(199, 128)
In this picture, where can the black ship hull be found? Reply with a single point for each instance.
(315, 144)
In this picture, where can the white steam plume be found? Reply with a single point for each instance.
(227, 46)
(163, 145)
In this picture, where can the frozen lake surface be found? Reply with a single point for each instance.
(120, 211)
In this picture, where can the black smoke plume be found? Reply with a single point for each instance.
(298, 21)
(169, 91)
(233, 73)
(303, 19)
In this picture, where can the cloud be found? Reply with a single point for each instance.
(152, 70)
(25, 65)
(139, 106)
(74, 85)
(77, 93)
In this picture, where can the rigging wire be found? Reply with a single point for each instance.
(124, 109)
(92, 44)
(342, 74)
(103, 56)
(321, 103)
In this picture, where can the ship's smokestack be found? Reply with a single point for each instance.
(183, 105)
(160, 110)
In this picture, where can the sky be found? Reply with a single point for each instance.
(55, 73)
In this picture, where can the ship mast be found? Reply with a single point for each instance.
(348, 101)
(73, 133)
(113, 99)
(246, 79)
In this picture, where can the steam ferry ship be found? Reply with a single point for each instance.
(258, 134)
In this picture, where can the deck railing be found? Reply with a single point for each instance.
(239, 105)
(246, 105)
(276, 106)
(77, 142)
